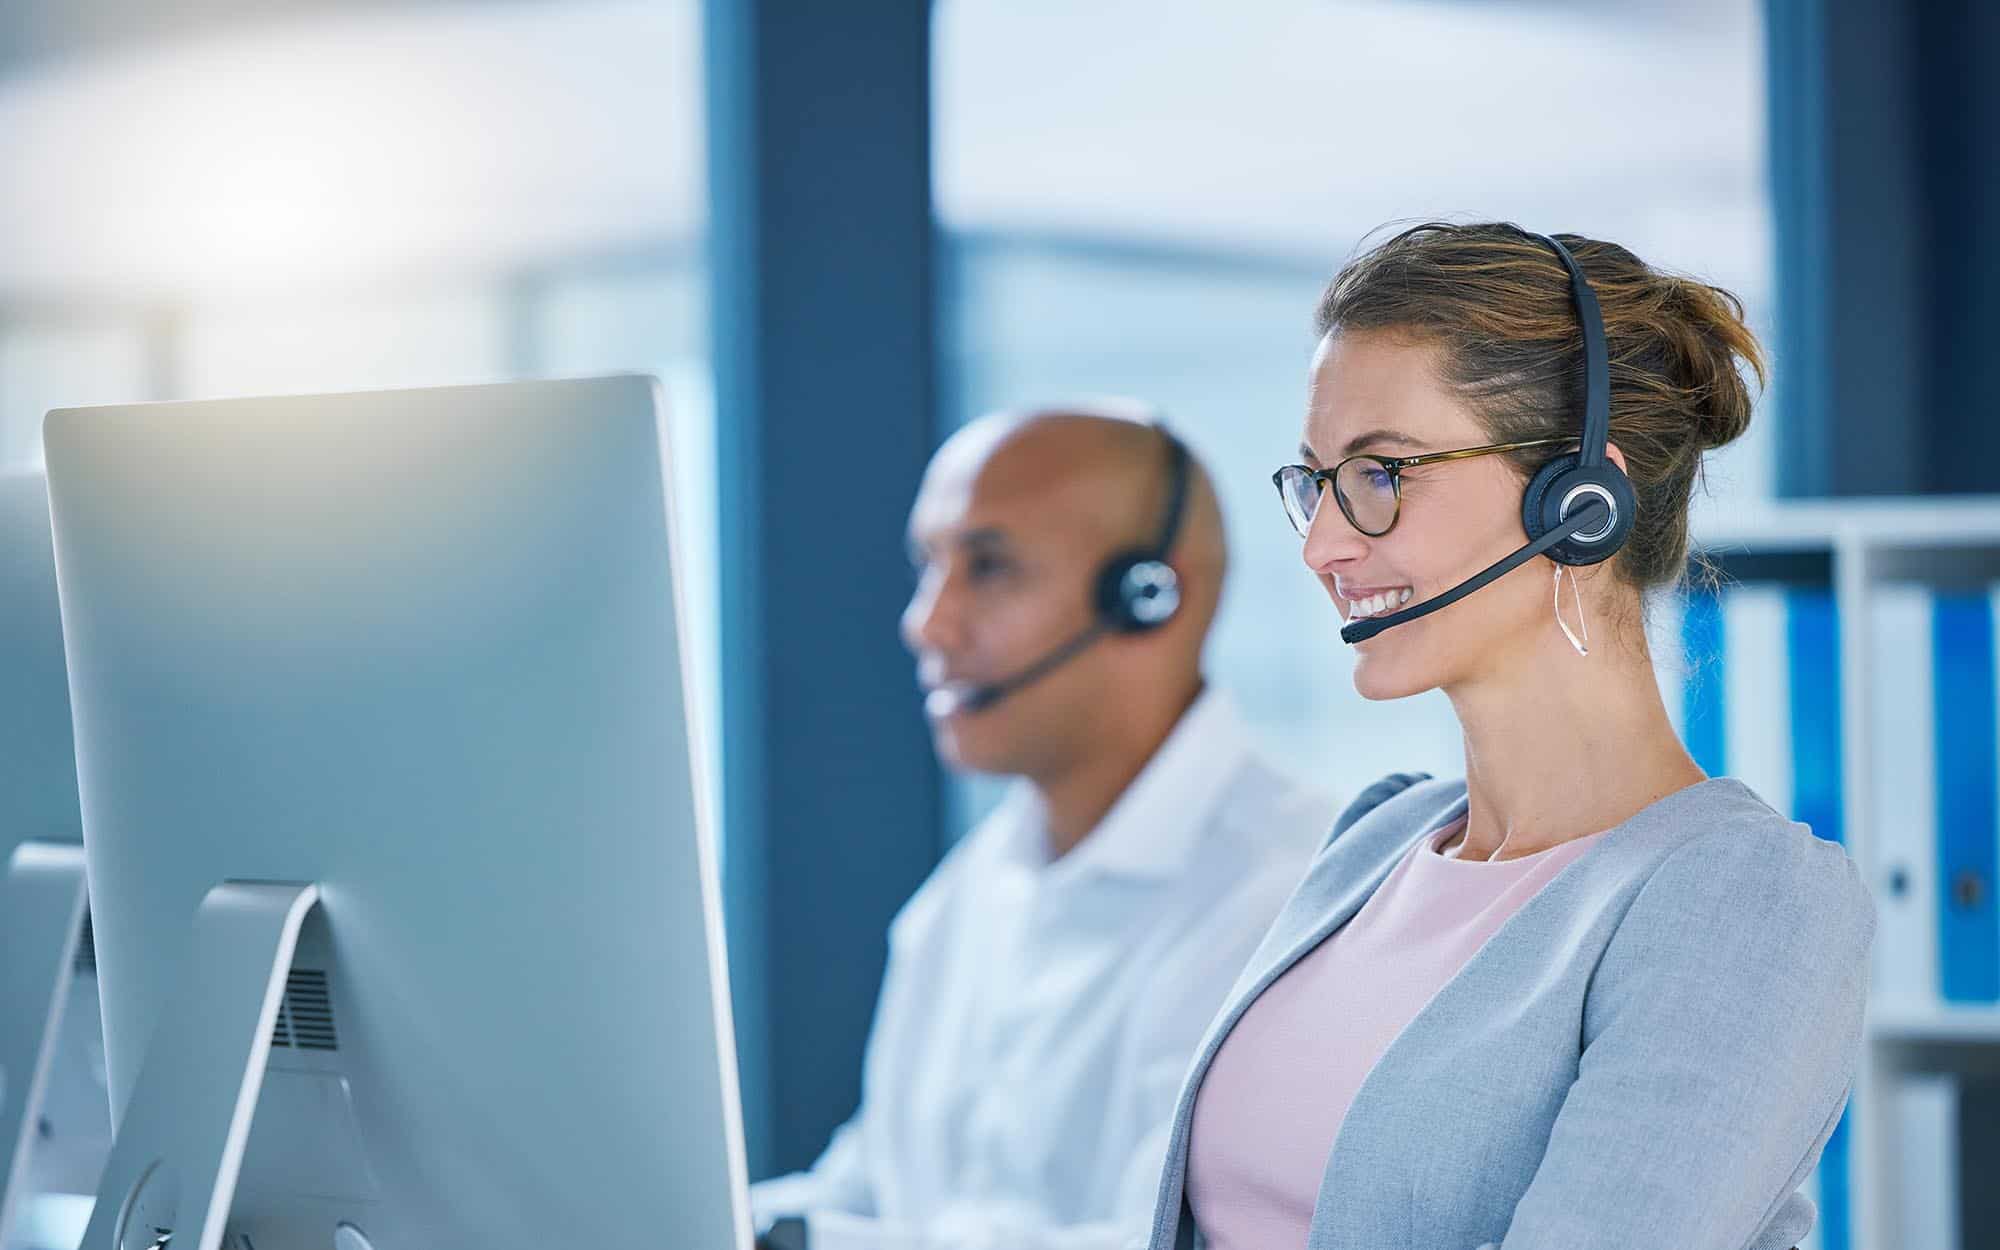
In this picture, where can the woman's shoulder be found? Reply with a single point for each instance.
(1723, 820)
(1717, 848)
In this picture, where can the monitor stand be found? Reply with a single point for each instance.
(41, 916)
(178, 1148)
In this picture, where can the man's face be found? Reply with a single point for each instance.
(1006, 549)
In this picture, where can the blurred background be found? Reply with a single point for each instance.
(837, 232)
(1136, 199)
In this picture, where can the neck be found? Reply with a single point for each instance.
(1563, 746)
(1076, 797)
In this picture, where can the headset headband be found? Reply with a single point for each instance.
(1596, 361)
(1177, 491)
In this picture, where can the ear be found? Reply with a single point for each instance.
(1616, 457)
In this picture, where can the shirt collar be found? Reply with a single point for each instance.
(1156, 823)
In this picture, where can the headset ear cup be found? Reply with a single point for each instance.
(1541, 507)
(1137, 591)
(1538, 490)
(1108, 597)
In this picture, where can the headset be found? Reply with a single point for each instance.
(1135, 591)
(1578, 507)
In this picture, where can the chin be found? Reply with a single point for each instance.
(1378, 681)
(961, 748)
(1396, 664)
(949, 745)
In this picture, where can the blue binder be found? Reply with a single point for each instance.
(1703, 726)
(1968, 826)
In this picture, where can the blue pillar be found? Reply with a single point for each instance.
(1957, 43)
(821, 245)
(1883, 122)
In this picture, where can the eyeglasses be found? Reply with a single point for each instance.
(1369, 489)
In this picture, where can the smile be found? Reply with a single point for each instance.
(1376, 604)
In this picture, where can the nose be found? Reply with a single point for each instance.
(931, 620)
(1332, 540)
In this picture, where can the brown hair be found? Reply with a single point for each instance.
(1495, 301)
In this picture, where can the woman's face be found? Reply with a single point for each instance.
(1379, 392)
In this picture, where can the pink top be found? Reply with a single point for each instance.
(1273, 1100)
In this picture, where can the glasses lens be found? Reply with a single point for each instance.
(1367, 493)
(1300, 495)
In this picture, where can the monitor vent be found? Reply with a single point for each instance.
(305, 1016)
(86, 948)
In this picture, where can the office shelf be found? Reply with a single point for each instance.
(1858, 547)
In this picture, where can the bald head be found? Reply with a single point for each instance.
(1105, 474)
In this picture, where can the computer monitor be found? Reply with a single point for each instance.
(405, 898)
(55, 1118)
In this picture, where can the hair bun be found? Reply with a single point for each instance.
(1711, 346)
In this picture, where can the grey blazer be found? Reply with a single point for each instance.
(1649, 1055)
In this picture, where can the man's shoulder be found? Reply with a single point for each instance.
(1263, 795)
(1265, 820)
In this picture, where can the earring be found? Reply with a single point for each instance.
(1582, 645)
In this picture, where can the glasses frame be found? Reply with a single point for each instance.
(1325, 479)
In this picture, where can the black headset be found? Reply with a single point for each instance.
(1559, 486)
(1135, 591)
(1578, 507)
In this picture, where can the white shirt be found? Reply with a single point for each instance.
(1037, 1016)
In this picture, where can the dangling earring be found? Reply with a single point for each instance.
(1582, 645)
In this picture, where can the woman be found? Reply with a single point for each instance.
(1586, 996)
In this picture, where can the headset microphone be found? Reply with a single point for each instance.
(950, 700)
(1578, 507)
(1136, 591)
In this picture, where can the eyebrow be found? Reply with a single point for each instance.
(1359, 441)
(1381, 436)
(986, 538)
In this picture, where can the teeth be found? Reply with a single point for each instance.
(1374, 605)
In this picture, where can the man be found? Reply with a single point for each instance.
(1048, 985)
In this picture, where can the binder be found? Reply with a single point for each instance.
(1812, 650)
(1756, 700)
(1903, 800)
(1704, 670)
(1968, 798)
